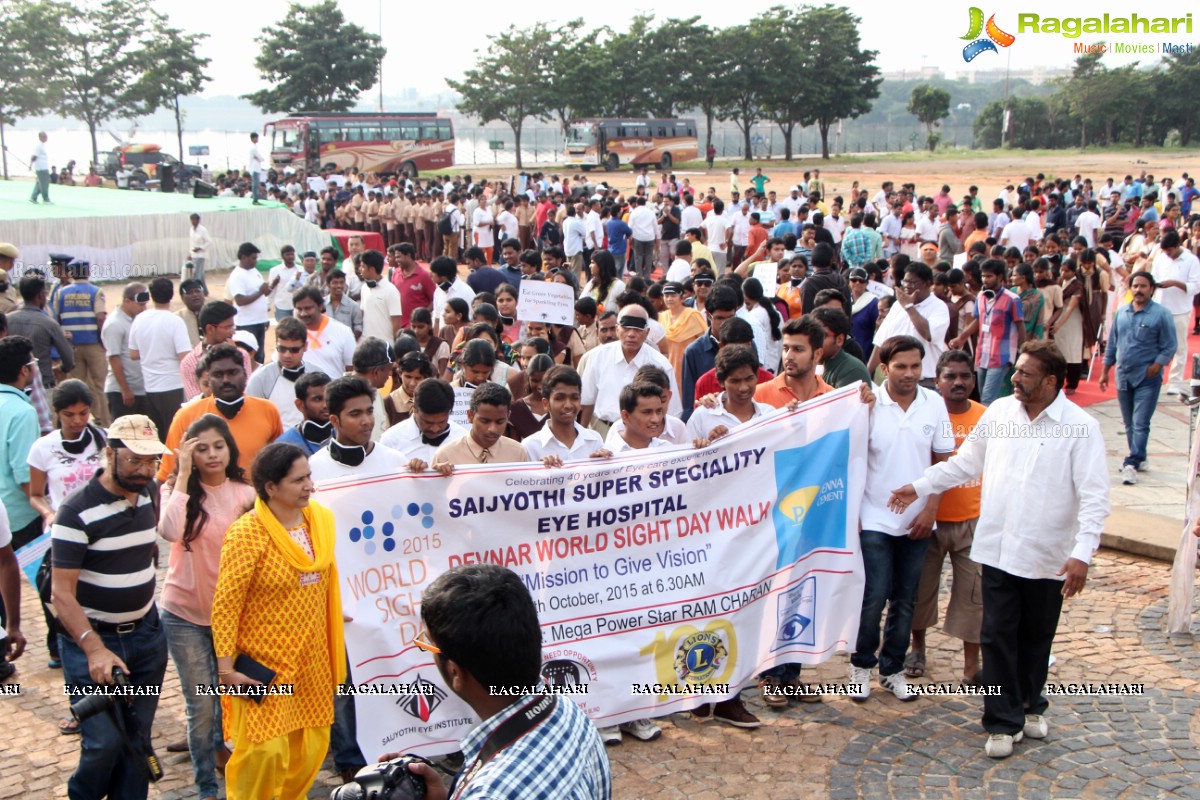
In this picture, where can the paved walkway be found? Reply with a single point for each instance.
(1129, 746)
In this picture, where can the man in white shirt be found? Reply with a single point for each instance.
(1017, 233)
(613, 366)
(445, 277)
(276, 381)
(158, 339)
(575, 239)
(737, 374)
(198, 242)
(927, 225)
(909, 426)
(248, 292)
(920, 313)
(40, 164)
(741, 233)
(891, 229)
(1089, 222)
(380, 299)
(644, 224)
(594, 237)
(417, 438)
(354, 247)
(716, 236)
(562, 438)
(351, 451)
(330, 343)
(256, 165)
(690, 216)
(286, 277)
(681, 267)
(1044, 502)
(1177, 272)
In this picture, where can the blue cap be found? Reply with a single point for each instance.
(60, 258)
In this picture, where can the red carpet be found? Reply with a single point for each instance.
(1089, 392)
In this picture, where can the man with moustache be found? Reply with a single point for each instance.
(103, 550)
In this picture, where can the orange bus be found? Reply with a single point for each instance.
(612, 142)
(383, 143)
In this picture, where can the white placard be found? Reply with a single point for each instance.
(767, 273)
(542, 301)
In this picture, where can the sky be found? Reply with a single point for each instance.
(907, 35)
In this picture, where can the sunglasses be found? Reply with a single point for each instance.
(292, 350)
(422, 642)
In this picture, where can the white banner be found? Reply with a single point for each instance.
(654, 573)
(543, 301)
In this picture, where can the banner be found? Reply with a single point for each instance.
(663, 578)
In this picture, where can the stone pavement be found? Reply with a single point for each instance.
(1123, 746)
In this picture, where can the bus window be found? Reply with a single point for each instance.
(410, 131)
(444, 131)
(391, 131)
(662, 130)
(429, 130)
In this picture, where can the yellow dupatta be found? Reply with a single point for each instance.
(323, 532)
(688, 324)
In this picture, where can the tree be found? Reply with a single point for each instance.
(778, 31)
(27, 88)
(578, 68)
(99, 60)
(930, 105)
(1179, 91)
(510, 82)
(741, 97)
(1082, 87)
(706, 58)
(315, 60)
(175, 70)
(840, 79)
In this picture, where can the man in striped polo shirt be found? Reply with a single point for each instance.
(103, 547)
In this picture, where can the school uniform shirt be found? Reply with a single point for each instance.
(465, 451)
(545, 443)
(704, 420)
(407, 440)
(675, 431)
(379, 304)
(382, 460)
(899, 449)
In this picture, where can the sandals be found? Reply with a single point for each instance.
(914, 664)
(68, 727)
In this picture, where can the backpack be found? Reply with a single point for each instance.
(445, 225)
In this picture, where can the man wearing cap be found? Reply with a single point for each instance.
(103, 551)
(8, 294)
(32, 320)
(80, 309)
(253, 421)
(249, 293)
(612, 366)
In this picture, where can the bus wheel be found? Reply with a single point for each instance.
(612, 162)
(408, 170)
(665, 163)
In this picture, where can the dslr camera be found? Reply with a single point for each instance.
(390, 780)
(94, 704)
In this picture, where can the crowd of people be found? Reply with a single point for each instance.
(697, 311)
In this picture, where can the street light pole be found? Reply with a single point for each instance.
(381, 57)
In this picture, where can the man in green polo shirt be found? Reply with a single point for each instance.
(841, 368)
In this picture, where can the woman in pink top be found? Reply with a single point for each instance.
(208, 494)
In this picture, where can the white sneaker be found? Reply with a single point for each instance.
(611, 735)
(1144, 466)
(860, 683)
(898, 685)
(1036, 726)
(1128, 475)
(642, 729)
(1000, 745)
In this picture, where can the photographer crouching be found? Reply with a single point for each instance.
(482, 630)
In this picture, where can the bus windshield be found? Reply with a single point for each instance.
(287, 139)
(581, 134)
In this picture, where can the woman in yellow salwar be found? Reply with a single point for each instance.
(277, 602)
(682, 324)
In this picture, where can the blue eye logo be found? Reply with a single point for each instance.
(373, 536)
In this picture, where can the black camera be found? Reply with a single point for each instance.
(93, 704)
(390, 780)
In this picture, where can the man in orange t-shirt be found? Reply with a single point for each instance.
(803, 338)
(253, 421)
(954, 534)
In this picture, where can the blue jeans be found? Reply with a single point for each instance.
(255, 183)
(783, 672)
(282, 313)
(1137, 407)
(893, 571)
(105, 766)
(41, 186)
(191, 648)
(991, 382)
(343, 736)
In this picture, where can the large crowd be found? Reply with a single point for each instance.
(698, 309)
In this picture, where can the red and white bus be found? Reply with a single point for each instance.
(386, 144)
(612, 142)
